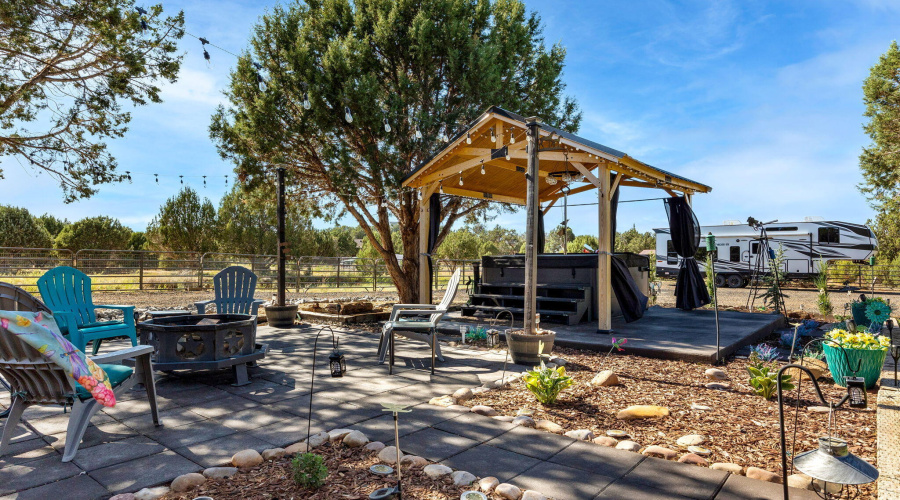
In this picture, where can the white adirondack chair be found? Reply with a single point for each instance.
(417, 321)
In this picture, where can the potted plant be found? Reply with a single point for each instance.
(845, 351)
(870, 313)
(525, 348)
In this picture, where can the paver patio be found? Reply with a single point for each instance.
(206, 420)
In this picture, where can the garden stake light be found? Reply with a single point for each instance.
(710, 248)
(392, 493)
(338, 368)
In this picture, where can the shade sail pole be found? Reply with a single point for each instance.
(532, 199)
(604, 243)
(280, 296)
(424, 275)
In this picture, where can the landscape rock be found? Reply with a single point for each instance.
(462, 478)
(605, 441)
(375, 446)
(246, 458)
(605, 378)
(716, 374)
(444, 401)
(696, 406)
(355, 439)
(628, 446)
(691, 440)
(122, 496)
(660, 452)
(818, 368)
(558, 361)
(187, 482)
(435, 471)
(220, 472)
(462, 395)
(338, 434)
(763, 475)
(296, 448)
(581, 434)
(548, 425)
(479, 390)
(533, 495)
(727, 467)
(318, 439)
(487, 484)
(151, 493)
(694, 459)
(413, 461)
(801, 481)
(832, 488)
(487, 411)
(504, 418)
(818, 409)
(524, 421)
(642, 411)
(716, 386)
(273, 453)
(388, 455)
(507, 491)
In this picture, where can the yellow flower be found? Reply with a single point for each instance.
(23, 322)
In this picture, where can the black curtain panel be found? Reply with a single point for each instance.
(542, 234)
(631, 300)
(690, 289)
(434, 221)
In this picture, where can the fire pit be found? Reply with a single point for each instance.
(204, 342)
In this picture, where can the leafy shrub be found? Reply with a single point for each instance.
(764, 381)
(546, 383)
(762, 354)
(309, 470)
(823, 301)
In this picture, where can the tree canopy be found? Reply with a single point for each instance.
(104, 233)
(184, 223)
(354, 94)
(66, 69)
(21, 229)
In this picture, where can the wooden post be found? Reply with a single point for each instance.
(141, 277)
(604, 288)
(280, 215)
(424, 217)
(532, 183)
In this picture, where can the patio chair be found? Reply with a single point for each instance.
(36, 380)
(67, 292)
(418, 322)
(13, 298)
(234, 287)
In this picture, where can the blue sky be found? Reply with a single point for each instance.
(760, 100)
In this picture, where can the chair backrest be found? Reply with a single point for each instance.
(234, 289)
(21, 365)
(449, 294)
(65, 288)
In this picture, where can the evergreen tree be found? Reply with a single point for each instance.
(21, 229)
(101, 233)
(184, 223)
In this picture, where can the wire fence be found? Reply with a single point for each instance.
(134, 270)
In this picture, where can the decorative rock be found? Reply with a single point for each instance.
(695, 406)
(548, 425)
(605, 378)
(533, 495)
(732, 468)
(478, 390)
(338, 434)
(273, 453)
(818, 409)
(816, 366)
(442, 401)
(151, 493)
(413, 461)
(642, 411)
(801, 481)
(628, 446)
(699, 450)
(661, 452)
(375, 446)
(186, 482)
(693, 458)
(246, 458)
(763, 475)
(526, 411)
(691, 440)
(524, 421)
(716, 386)
(462, 478)
(462, 395)
(355, 439)
(296, 448)
(558, 361)
(220, 472)
(605, 441)
(123, 496)
(617, 434)
(388, 455)
(716, 374)
(487, 411)
(487, 484)
(581, 434)
(318, 439)
(507, 491)
(435, 471)
(504, 418)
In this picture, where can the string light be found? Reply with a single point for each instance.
(482, 167)
(468, 138)
(387, 126)
(203, 43)
(204, 182)
(181, 177)
(156, 176)
(460, 178)
(507, 154)
(418, 135)
(142, 12)
(348, 115)
(419, 195)
(226, 180)
(441, 187)
(493, 137)
(128, 175)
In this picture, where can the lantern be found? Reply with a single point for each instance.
(833, 463)
(856, 390)
(336, 361)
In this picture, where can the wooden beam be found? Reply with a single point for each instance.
(604, 289)
(615, 184)
(479, 195)
(550, 205)
(586, 173)
(638, 184)
(427, 191)
(451, 170)
(424, 219)
(580, 189)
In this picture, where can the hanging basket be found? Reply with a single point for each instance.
(872, 360)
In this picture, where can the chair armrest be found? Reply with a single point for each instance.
(121, 308)
(131, 352)
(201, 306)
(127, 312)
(254, 306)
(410, 309)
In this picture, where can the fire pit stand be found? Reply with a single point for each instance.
(204, 342)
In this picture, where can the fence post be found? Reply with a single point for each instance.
(141, 273)
(200, 272)
(338, 272)
(298, 275)
(375, 275)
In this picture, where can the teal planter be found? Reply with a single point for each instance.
(858, 309)
(870, 368)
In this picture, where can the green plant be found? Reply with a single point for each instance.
(309, 470)
(709, 276)
(764, 381)
(774, 295)
(823, 301)
(546, 383)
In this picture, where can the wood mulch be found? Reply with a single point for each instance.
(741, 427)
(349, 478)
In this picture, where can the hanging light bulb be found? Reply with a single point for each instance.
(226, 180)
(493, 137)
(418, 136)
(468, 138)
(204, 181)
(512, 140)
(444, 136)
(482, 167)
(551, 180)
(460, 178)
(507, 154)
(348, 115)
(387, 126)
(419, 195)
(441, 187)
(306, 103)
(181, 178)
(156, 177)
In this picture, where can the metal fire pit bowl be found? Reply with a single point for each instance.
(203, 342)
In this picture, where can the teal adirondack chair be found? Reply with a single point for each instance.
(67, 292)
(234, 287)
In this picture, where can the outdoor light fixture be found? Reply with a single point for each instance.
(387, 126)
(460, 179)
(392, 493)
(418, 134)
(468, 138)
(348, 115)
(856, 389)
(337, 365)
(493, 137)
(441, 187)
(482, 167)
(551, 180)
(306, 103)
(336, 360)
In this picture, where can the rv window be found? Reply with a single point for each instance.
(671, 254)
(754, 248)
(782, 228)
(700, 256)
(829, 235)
(734, 254)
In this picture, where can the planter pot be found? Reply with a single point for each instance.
(281, 316)
(870, 366)
(858, 309)
(525, 349)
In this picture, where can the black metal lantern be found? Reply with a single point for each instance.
(336, 361)
(833, 463)
(856, 390)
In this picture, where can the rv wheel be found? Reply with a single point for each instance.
(735, 281)
(720, 280)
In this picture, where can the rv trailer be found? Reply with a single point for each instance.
(805, 244)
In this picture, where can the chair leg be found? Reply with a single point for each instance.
(144, 371)
(134, 340)
(391, 364)
(383, 345)
(433, 342)
(15, 414)
(82, 411)
(96, 346)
